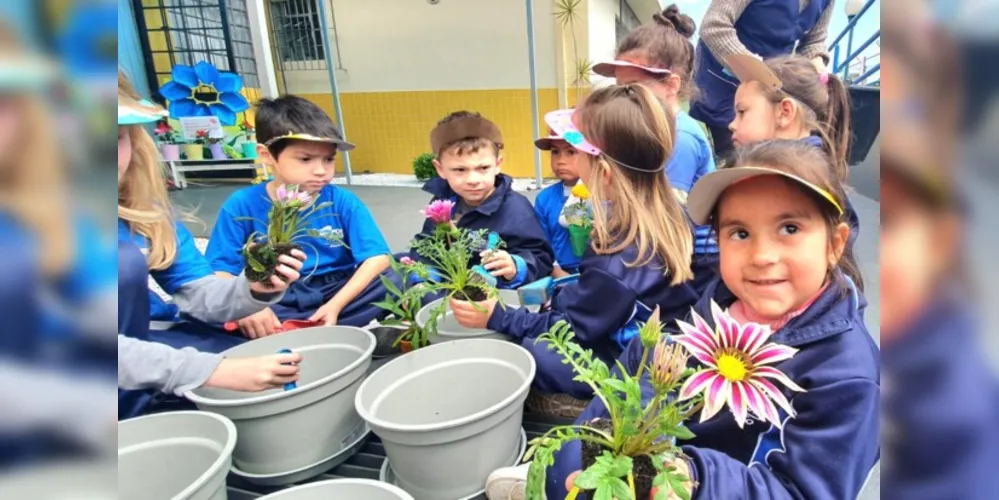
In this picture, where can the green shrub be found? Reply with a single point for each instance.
(423, 167)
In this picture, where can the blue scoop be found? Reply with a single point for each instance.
(491, 244)
(290, 385)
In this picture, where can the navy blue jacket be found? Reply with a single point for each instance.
(826, 452)
(768, 28)
(940, 406)
(510, 215)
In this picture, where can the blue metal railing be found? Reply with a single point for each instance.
(843, 67)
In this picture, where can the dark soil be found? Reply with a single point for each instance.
(644, 471)
(473, 294)
(268, 256)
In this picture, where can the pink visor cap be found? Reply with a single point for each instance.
(607, 68)
(560, 121)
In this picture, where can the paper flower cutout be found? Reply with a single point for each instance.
(204, 91)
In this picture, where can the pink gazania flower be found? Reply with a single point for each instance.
(735, 372)
(439, 211)
(406, 261)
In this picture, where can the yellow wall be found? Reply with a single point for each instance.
(391, 129)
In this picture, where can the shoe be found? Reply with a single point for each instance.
(554, 405)
(508, 483)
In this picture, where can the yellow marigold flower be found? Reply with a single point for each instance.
(581, 192)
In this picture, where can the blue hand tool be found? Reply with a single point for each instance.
(290, 385)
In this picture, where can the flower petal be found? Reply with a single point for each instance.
(777, 375)
(183, 108)
(228, 82)
(185, 75)
(696, 350)
(703, 337)
(207, 73)
(202, 110)
(758, 339)
(724, 324)
(738, 403)
(773, 353)
(765, 409)
(226, 116)
(709, 333)
(773, 394)
(236, 102)
(172, 91)
(696, 383)
(715, 397)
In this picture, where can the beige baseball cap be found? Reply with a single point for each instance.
(704, 196)
(749, 68)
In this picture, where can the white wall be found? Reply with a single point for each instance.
(603, 34)
(399, 45)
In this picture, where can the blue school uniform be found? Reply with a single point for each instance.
(510, 215)
(940, 405)
(768, 28)
(827, 451)
(692, 155)
(603, 306)
(328, 266)
(548, 208)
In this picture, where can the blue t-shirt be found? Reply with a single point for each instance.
(692, 156)
(188, 265)
(347, 218)
(548, 207)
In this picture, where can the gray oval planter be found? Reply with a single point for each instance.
(181, 455)
(449, 329)
(283, 431)
(361, 489)
(449, 414)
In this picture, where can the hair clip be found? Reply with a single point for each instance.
(824, 78)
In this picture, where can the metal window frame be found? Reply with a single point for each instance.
(296, 27)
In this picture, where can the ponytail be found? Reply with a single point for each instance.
(836, 126)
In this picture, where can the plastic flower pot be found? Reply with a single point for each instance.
(194, 151)
(170, 152)
(75, 479)
(579, 237)
(366, 489)
(249, 150)
(283, 432)
(181, 455)
(449, 414)
(449, 329)
(385, 336)
(218, 152)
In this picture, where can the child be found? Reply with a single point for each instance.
(164, 249)
(468, 164)
(765, 28)
(641, 244)
(299, 142)
(787, 98)
(660, 55)
(779, 216)
(551, 200)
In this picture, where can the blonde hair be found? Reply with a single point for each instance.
(142, 193)
(33, 186)
(632, 128)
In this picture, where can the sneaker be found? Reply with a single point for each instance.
(508, 483)
(554, 405)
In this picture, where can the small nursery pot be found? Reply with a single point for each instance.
(249, 150)
(194, 151)
(182, 455)
(218, 152)
(282, 431)
(385, 337)
(361, 489)
(170, 152)
(449, 414)
(449, 329)
(579, 238)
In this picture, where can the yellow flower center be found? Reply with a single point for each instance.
(731, 367)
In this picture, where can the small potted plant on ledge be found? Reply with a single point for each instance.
(579, 216)
(217, 148)
(195, 150)
(286, 226)
(635, 451)
(249, 146)
(403, 302)
(167, 137)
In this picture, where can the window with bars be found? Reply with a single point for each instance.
(189, 31)
(625, 21)
(297, 30)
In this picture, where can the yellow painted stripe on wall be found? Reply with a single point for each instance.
(392, 128)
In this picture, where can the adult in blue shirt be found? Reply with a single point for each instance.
(766, 28)
(298, 142)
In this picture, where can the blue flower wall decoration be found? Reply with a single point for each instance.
(204, 91)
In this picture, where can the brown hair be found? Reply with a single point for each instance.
(142, 194)
(808, 163)
(665, 43)
(465, 145)
(628, 123)
(826, 105)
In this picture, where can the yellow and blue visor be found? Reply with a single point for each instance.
(339, 142)
(140, 114)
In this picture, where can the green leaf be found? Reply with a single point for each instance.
(682, 433)
(620, 489)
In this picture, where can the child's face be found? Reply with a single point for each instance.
(471, 176)
(565, 162)
(664, 88)
(310, 165)
(757, 119)
(124, 150)
(775, 245)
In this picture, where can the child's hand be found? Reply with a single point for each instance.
(468, 316)
(558, 272)
(260, 325)
(327, 314)
(256, 374)
(499, 263)
(288, 268)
